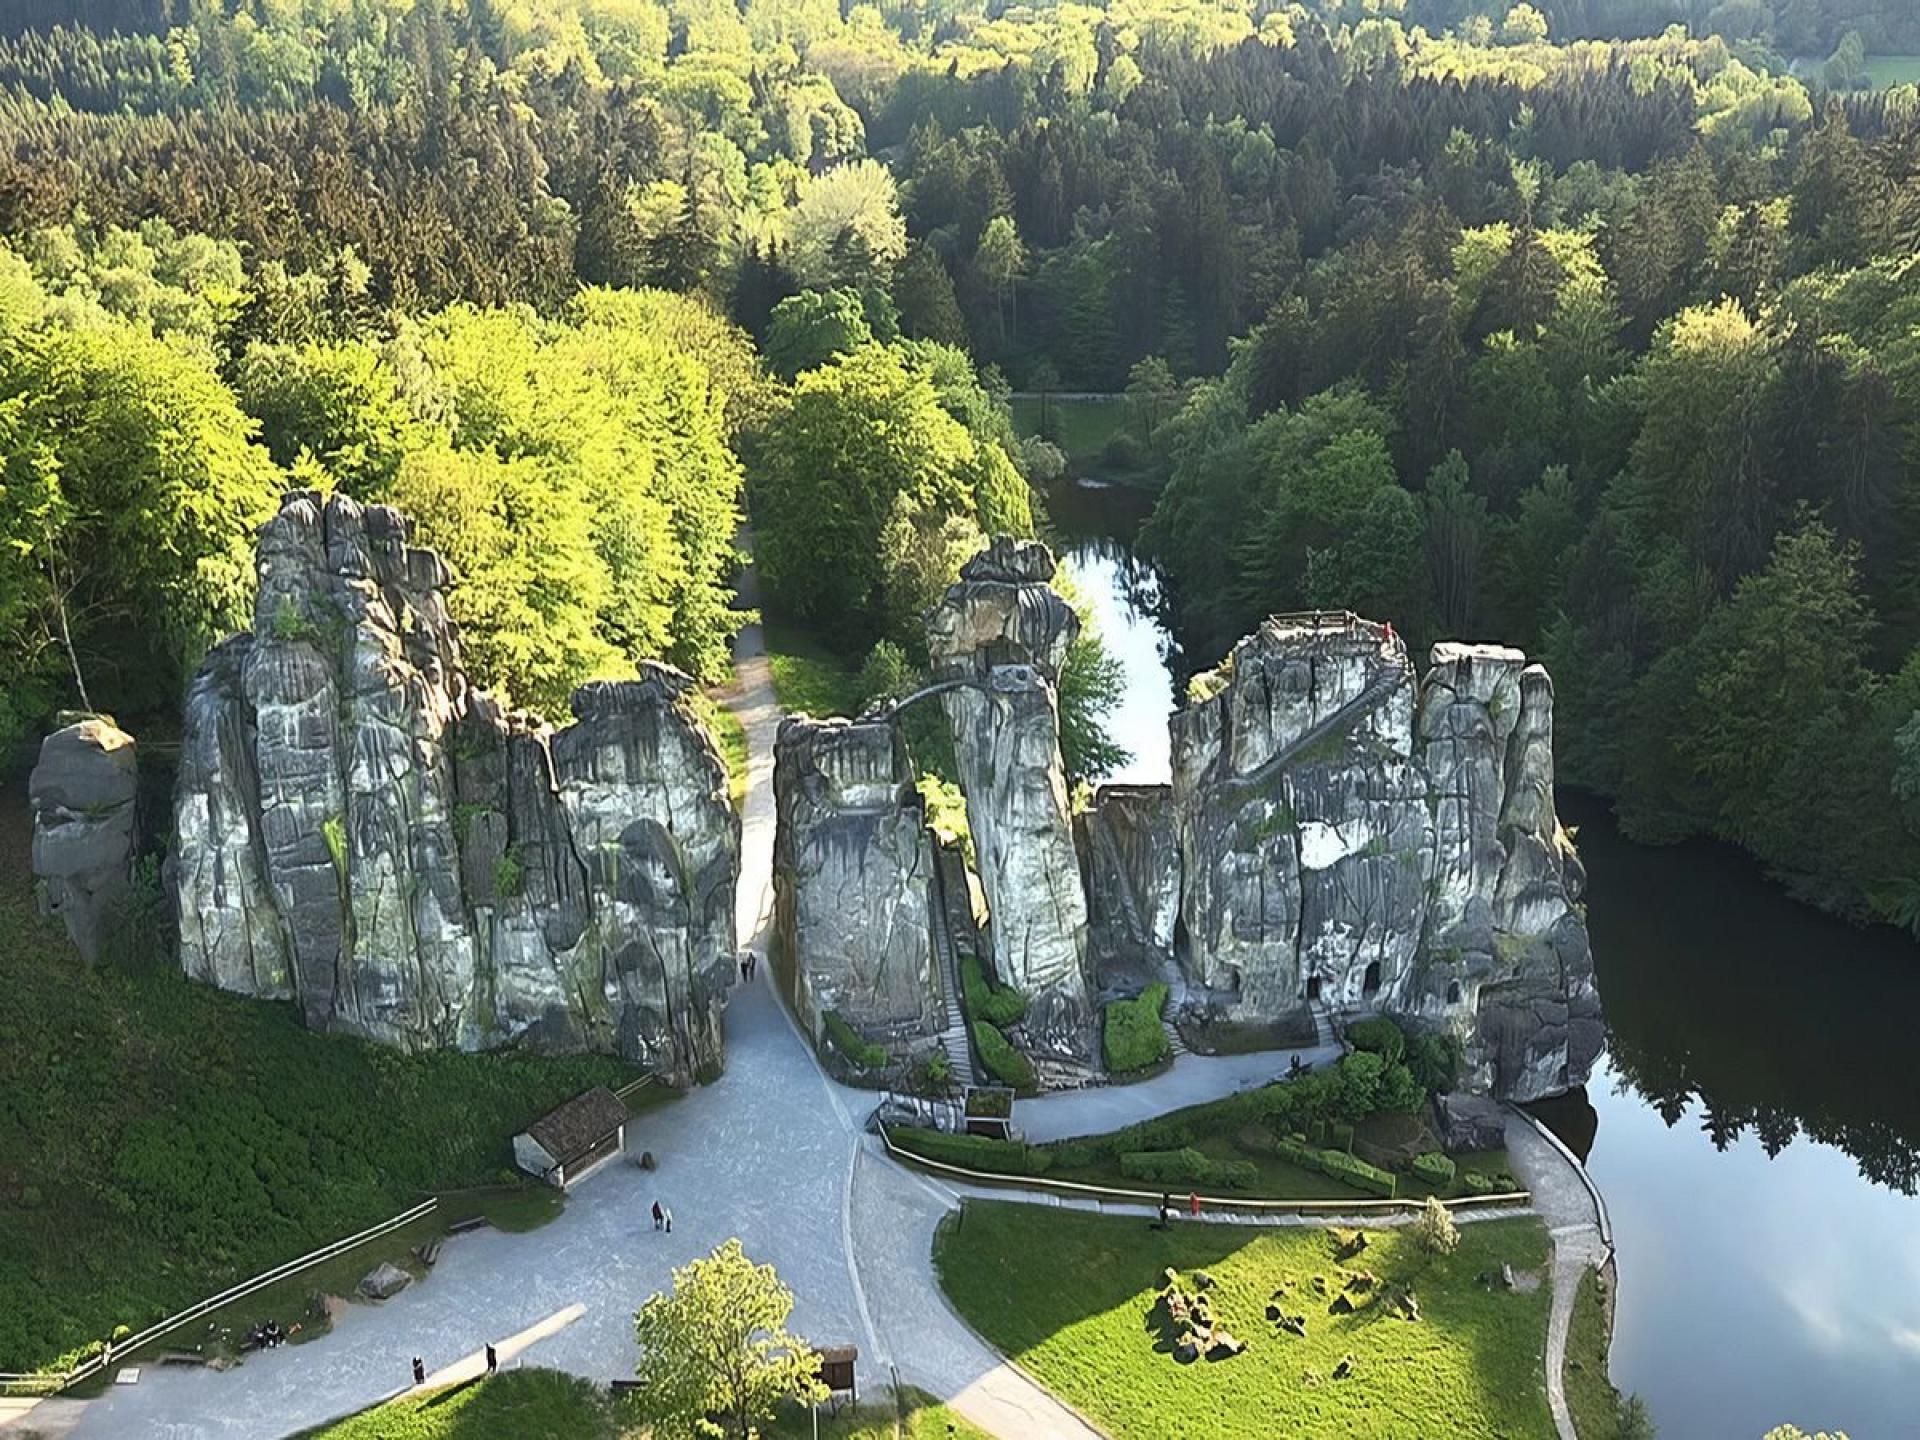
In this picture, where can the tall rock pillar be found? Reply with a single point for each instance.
(1001, 635)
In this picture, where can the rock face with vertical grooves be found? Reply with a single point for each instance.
(1131, 852)
(1350, 836)
(1003, 633)
(82, 792)
(852, 876)
(361, 830)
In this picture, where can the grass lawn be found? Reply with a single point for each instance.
(547, 1405)
(917, 1417)
(1590, 1394)
(1080, 427)
(513, 1405)
(164, 1140)
(1072, 1297)
(807, 676)
(1886, 71)
(731, 736)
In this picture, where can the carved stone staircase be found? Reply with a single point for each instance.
(957, 1043)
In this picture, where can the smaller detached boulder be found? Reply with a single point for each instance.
(1470, 1122)
(384, 1281)
(82, 794)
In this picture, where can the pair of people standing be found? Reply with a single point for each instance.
(662, 1218)
(749, 963)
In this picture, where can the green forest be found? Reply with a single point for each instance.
(1587, 326)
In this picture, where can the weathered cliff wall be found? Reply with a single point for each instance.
(360, 830)
(1355, 839)
(1002, 634)
(852, 876)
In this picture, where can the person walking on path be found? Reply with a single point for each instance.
(1193, 1204)
(1161, 1223)
(493, 1359)
(667, 1214)
(746, 967)
(659, 1215)
(419, 1371)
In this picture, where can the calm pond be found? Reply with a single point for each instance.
(1755, 1125)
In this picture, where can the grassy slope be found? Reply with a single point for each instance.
(1081, 427)
(1590, 1394)
(1070, 1296)
(731, 736)
(807, 676)
(160, 1140)
(1886, 71)
(925, 1419)
(513, 1405)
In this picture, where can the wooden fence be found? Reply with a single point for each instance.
(48, 1384)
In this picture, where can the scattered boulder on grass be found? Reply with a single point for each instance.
(1202, 1280)
(1188, 1350)
(1348, 1243)
(1320, 1284)
(1403, 1304)
(1224, 1346)
(1273, 1312)
(1342, 1305)
(1362, 1281)
(1344, 1370)
(1508, 1280)
(1293, 1324)
(384, 1281)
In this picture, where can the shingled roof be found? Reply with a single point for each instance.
(580, 1124)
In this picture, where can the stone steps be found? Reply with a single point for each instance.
(1323, 1033)
(1175, 1044)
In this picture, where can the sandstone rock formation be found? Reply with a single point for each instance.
(82, 794)
(359, 829)
(1131, 852)
(852, 876)
(1353, 840)
(1001, 635)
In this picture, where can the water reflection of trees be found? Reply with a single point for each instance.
(1886, 1146)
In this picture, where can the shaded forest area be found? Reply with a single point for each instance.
(1545, 323)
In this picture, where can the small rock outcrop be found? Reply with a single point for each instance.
(360, 830)
(852, 877)
(82, 792)
(1357, 839)
(1001, 636)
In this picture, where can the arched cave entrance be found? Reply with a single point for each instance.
(1370, 985)
(1313, 988)
(1453, 992)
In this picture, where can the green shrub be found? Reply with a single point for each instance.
(860, 1052)
(1003, 1062)
(1478, 1182)
(1075, 1155)
(999, 1005)
(1235, 1174)
(1434, 1168)
(1351, 1170)
(1165, 1132)
(1434, 1059)
(1297, 1152)
(1340, 1137)
(1166, 1167)
(975, 1152)
(1134, 1037)
(1380, 1036)
(1255, 1140)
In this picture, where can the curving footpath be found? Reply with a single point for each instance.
(1576, 1217)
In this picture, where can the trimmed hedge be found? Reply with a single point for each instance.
(1434, 1168)
(1133, 1036)
(1186, 1167)
(1339, 1165)
(860, 1052)
(1351, 1170)
(1479, 1183)
(1003, 1062)
(1000, 1005)
(975, 1152)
